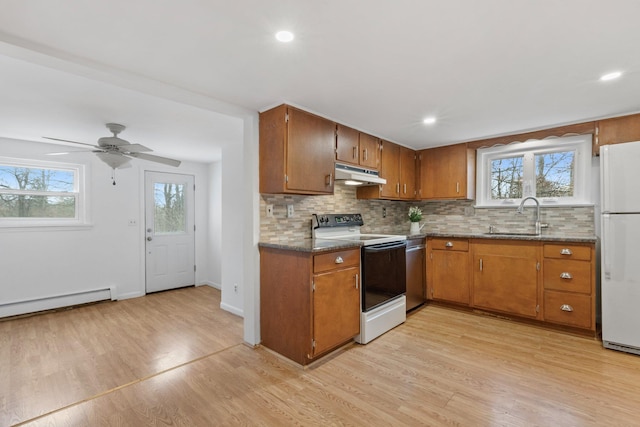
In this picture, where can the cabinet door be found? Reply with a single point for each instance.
(407, 173)
(443, 172)
(505, 278)
(347, 150)
(448, 274)
(336, 308)
(310, 153)
(389, 163)
(369, 151)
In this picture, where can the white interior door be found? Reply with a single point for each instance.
(169, 231)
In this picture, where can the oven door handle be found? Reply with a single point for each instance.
(385, 246)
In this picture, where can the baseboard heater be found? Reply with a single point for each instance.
(15, 308)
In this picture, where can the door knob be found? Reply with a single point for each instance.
(149, 238)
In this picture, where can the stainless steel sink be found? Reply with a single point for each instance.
(498, 233)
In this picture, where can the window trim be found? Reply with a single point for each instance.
(80, 172)
(581, 144)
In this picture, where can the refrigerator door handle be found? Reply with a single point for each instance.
(606, 242)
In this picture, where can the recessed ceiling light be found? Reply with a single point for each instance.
(611, 76)
(429, 120)
(284, 36)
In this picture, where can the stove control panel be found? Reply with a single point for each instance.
(336, 220)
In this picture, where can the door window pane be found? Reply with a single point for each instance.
(555, 174)
(506, 178)
(169, 208)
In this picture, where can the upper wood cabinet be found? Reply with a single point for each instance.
(617, 130)
(296, 152)
(447, 173)
(398, 167)
(357, 148)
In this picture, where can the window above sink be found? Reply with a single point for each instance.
(556, 171)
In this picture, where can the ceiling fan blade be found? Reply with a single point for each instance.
(134, 148)
(60, 153)
(157, 159)
(73, 142)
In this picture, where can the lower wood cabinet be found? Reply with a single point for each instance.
(448, 270)
(552, 282)
(569, 285)
(505, 276)
(309, 303)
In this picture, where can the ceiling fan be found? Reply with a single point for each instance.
(116, 152)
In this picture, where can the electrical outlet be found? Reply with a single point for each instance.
(269, 211)
(235, 288)
(384, 212)
(132, 222)
(469, 211)
(289, 211)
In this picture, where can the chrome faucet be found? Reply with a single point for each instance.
(521, 210)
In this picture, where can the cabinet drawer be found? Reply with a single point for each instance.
(570, 275)
(567, 251)
(335, 260)
(567, 309)
(449, 244)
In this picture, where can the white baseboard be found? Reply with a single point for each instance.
(16, 308)
(218, 286)
(232, 309)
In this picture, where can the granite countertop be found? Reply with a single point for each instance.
(324, 245)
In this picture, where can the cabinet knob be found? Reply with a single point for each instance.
(565, 275)
(339, 260)
(448, 244)
(566, 307)
(566, 251)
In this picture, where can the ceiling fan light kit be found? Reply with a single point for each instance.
(117, 152)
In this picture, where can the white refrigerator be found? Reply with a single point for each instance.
(620, 246)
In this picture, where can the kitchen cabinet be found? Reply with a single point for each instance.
(297, 152)
(448, 270)
(309, 303)
(447, 173)
(505, 276)
(569, 284)
(415, 260)
(398, 167)
(357, 148)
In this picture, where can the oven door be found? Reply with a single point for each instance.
(383, 273)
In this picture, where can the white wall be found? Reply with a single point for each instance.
(38, 263)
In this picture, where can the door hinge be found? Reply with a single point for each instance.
(538, 308)
(194, 227)
(537, 266)
(313, 343)
(286, 178)
(313, 286)
(286, 118)
(194, 187)
(194, 267)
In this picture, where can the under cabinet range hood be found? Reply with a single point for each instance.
(354, 175)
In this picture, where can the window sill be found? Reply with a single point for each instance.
(529, 205)
(8, 228)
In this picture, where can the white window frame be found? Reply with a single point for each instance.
(79, 192)
(580, 144)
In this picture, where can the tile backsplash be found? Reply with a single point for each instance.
(439, 216)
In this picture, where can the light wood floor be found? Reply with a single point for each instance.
(175, 359)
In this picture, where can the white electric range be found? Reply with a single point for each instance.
(382, 269)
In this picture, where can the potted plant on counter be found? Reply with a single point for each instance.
(415, 215)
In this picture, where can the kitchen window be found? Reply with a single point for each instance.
(556, 171)
(38, 193)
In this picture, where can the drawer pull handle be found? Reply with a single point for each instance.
(565, 275)
(566, 251)
(448, 244)
(566, 307)
(357, 280)
(339, 260)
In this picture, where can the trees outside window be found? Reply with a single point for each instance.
(556, 171)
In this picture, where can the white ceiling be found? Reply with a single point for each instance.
(482, 68)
